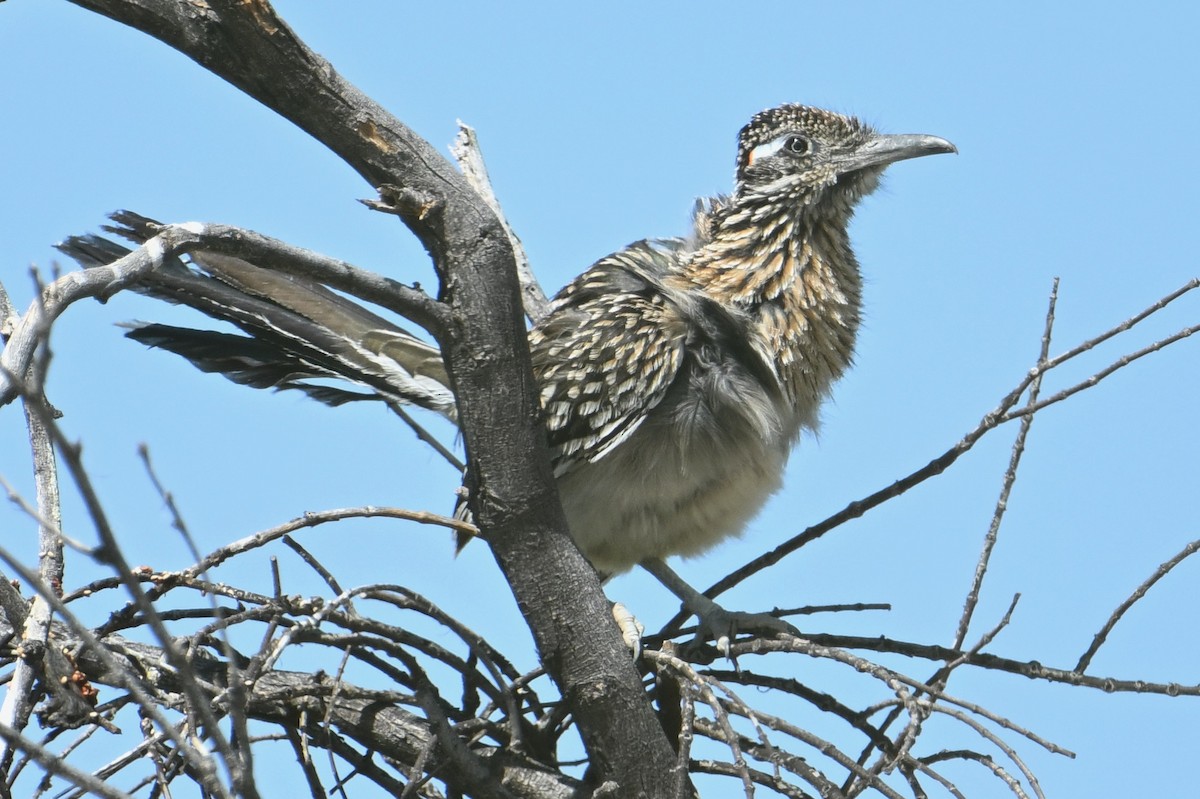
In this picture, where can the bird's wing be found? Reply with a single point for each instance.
(608, 353)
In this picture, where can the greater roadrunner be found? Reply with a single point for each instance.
(676, 375)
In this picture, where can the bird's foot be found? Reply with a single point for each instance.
(631, 628)
(723, 626)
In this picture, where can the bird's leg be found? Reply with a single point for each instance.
(714, 621)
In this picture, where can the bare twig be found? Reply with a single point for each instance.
(815, 646)
(471, 769)
(315, 789)
(55, 298)
(999, 415)
(996, 741)
(110, 553)
(19, 700)
(983, 641)
(1010, 477)
(316, 566)
(1031, 668)
(975, 757)
(497, 665)
(55, 765)
(309, 519)
(1164, 568)
(1115, 366)
(241, 739)
(1128, 324)
(753, 775)
(121, 675)
(326, 720)
(169, 500)
(427, 437)
(722, 731)
(687, 736)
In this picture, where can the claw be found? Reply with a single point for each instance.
(723, 626)
(631, 628)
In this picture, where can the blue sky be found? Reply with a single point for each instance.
(1075, 124)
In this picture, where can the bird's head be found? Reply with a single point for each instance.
(812, 156)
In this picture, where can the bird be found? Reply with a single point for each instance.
(676, 375)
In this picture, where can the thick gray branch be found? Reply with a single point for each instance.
(484, 348)
(279, 697)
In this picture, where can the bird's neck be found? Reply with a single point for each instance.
(797, 282)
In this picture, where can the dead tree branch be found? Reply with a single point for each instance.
(248, 45)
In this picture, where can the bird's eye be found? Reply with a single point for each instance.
(792, 144)
(797, 145)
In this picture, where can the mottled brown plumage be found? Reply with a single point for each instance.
(676, 375)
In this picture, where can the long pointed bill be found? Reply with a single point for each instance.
(883, 149)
